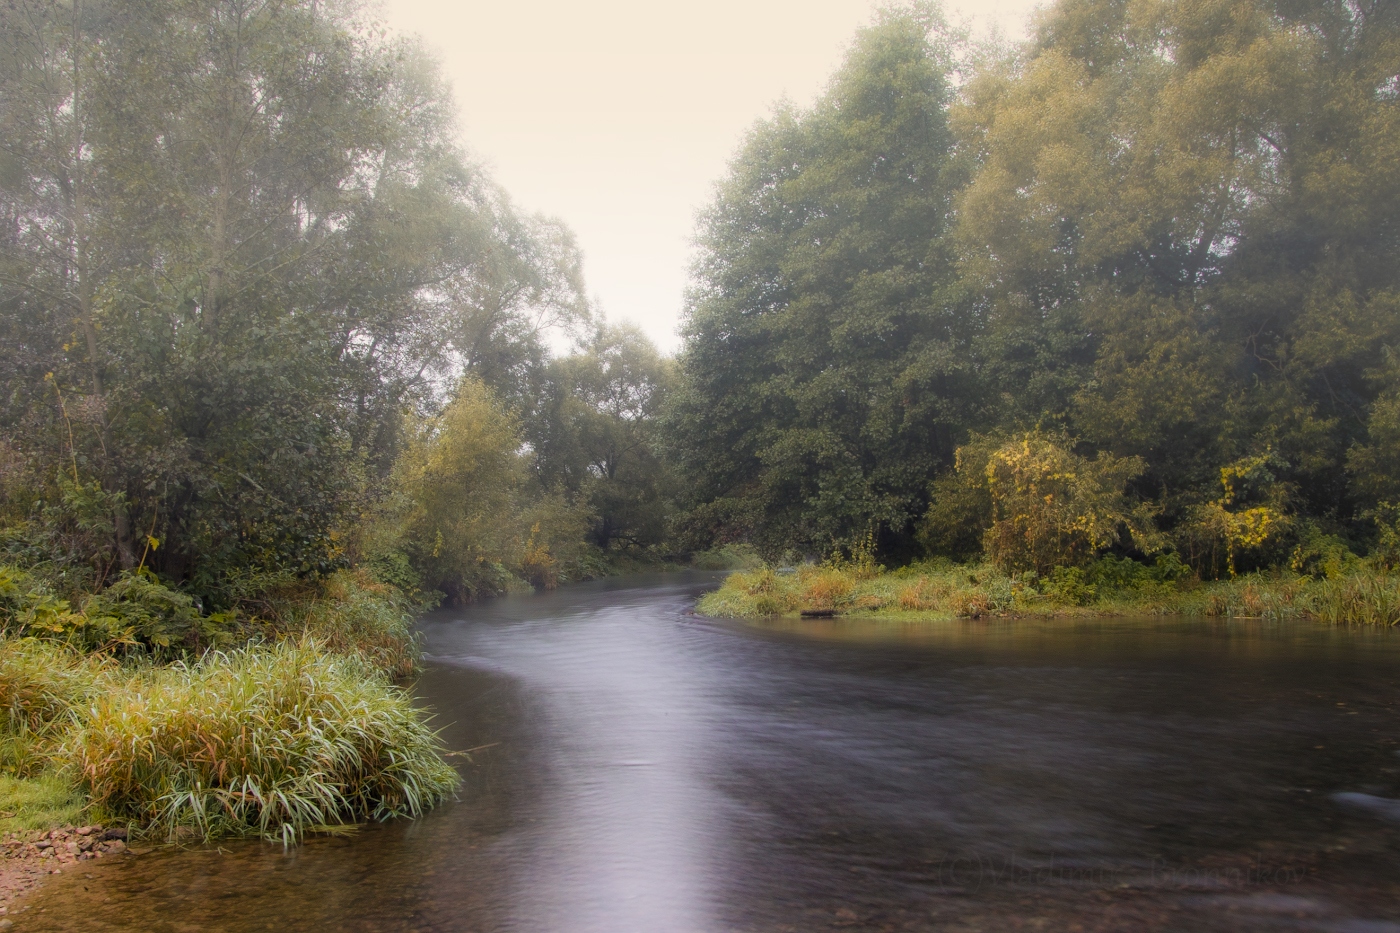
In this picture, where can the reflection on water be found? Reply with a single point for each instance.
(636, 768)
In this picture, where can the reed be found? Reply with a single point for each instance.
(267, 741)
(1359, 599)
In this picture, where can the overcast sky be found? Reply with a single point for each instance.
(617, 116)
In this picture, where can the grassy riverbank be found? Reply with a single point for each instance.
(278, 716)
(1107, 587)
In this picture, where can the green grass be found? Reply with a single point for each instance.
(1110, 587)
(42, 802)
(44, 686)
(268, 741)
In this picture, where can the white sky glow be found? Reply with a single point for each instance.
(618, 116)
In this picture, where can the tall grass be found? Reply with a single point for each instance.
(1359, 599)
(43, 687)
(355, 615)
(259, 741)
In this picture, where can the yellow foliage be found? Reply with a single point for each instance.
(1052, 507)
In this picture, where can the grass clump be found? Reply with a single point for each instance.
(44, 687)
(266, 741)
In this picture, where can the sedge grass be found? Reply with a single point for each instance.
(355, 615)
(270, 741)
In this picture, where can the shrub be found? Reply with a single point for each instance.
(265, 741)
(1070, 585)
(1052, 507)
(960, 505)
(139, 613)
(1244, 524)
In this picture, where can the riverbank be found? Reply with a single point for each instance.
(138, 711)
(1108, 587)
(27, 859)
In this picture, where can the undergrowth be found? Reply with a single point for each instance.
(271, 717)
(1107, 586)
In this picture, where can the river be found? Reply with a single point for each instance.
(630, 767)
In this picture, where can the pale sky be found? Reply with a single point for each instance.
(618, 116)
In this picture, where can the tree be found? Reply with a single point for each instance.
(1166, 220)
(242, 238)
(823, 366)
(595, 435)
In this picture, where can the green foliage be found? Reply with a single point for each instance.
(222, 304)
(1248, 520)
(1318, 554)
(1387, 550)
(822, 372)
(960, 509)
(1164, 229)
(139, 613)
(727, 557)
(1070, 585)
(594, 436)
(264, 741)
(460, 473)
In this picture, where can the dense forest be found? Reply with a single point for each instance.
(282, 366)
(1135, 280)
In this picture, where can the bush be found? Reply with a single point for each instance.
(1052, 507)
(139, 613)
(266, 741)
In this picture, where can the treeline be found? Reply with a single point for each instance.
(262, 319)
(275, 373)
(1131, 287)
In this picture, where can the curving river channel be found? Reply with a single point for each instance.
(634, 768)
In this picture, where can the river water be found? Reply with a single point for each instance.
(630, 767)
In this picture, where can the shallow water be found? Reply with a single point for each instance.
(633, 767)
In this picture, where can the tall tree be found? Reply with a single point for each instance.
(825, 328)
(259, 208)
(1168, 221)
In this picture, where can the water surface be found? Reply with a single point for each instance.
(630, 766)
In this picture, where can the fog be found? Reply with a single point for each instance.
(619, 116)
